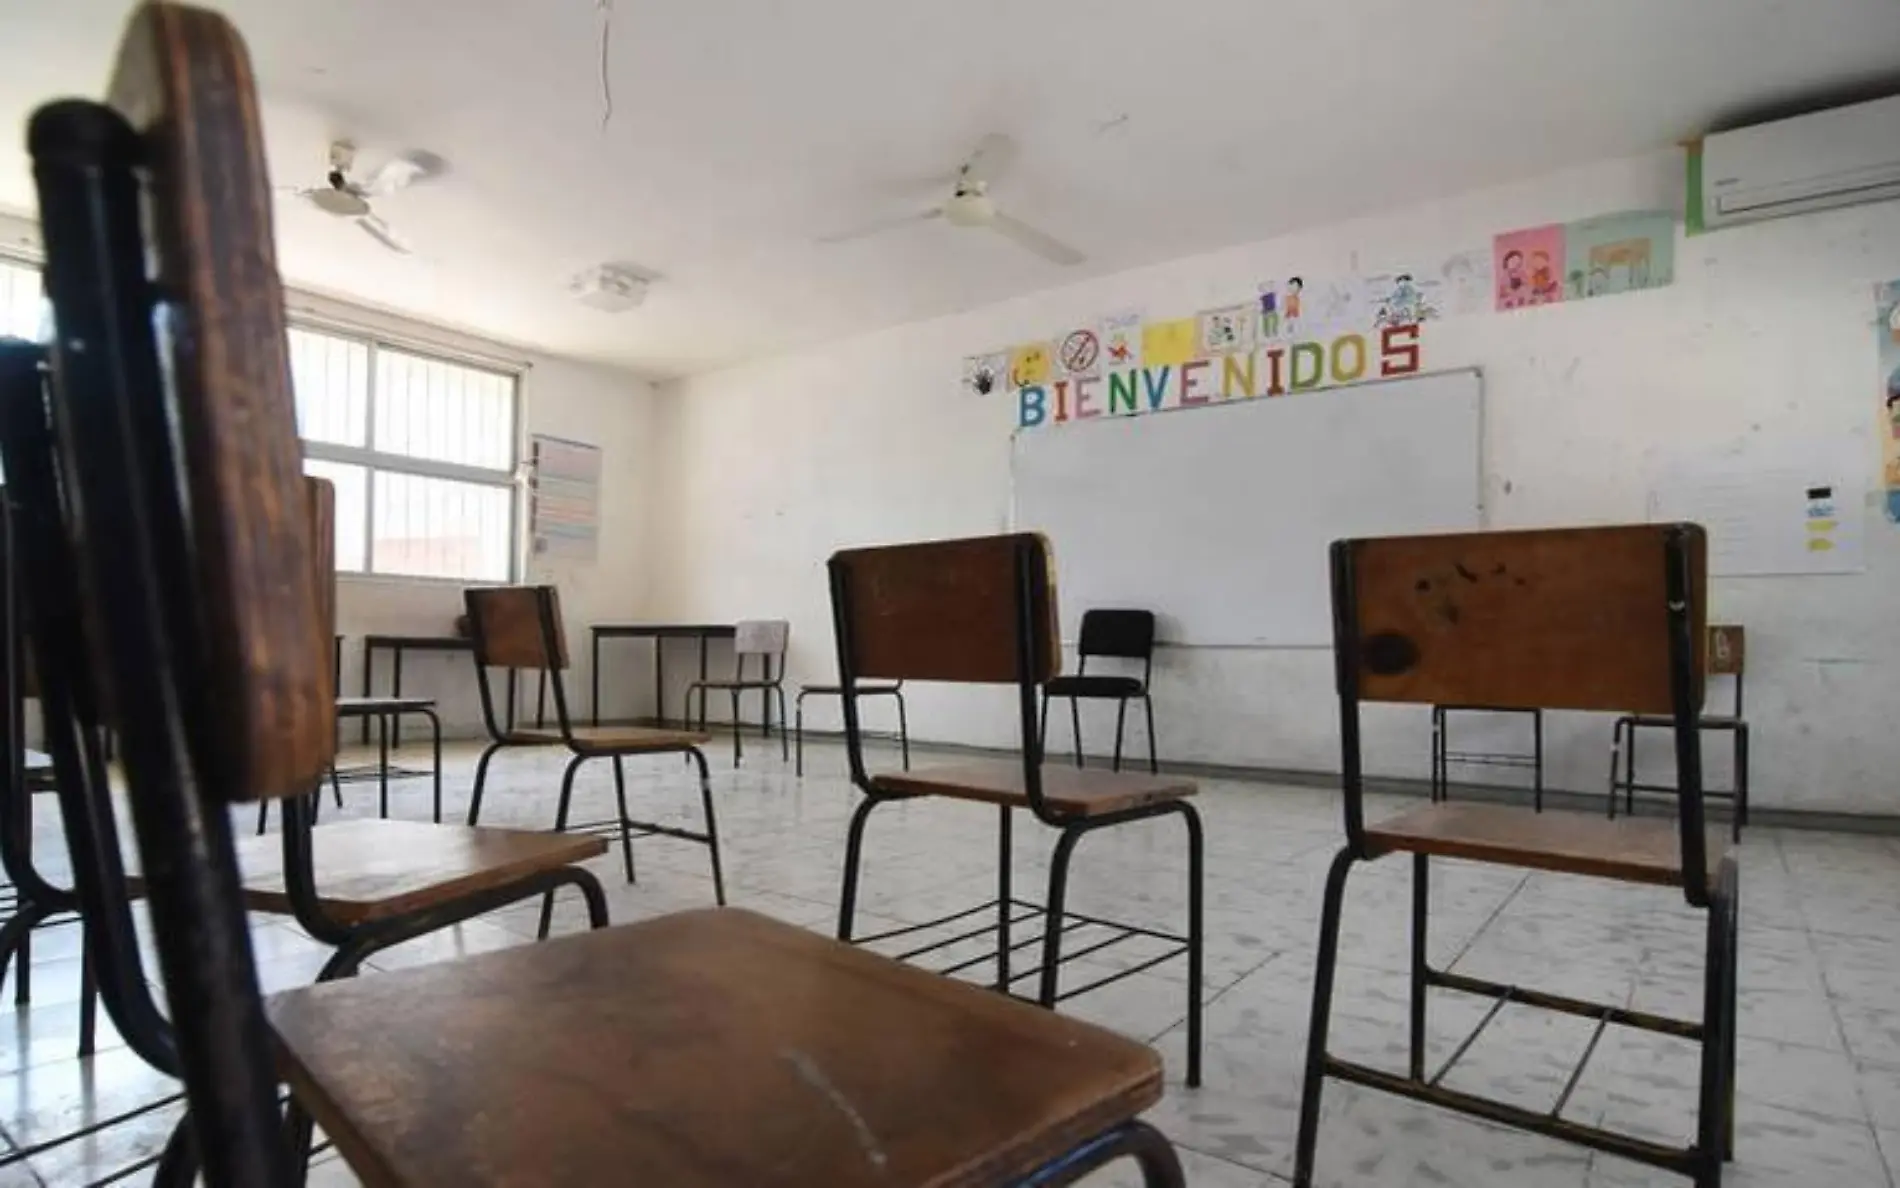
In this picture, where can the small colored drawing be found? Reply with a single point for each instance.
(1292, 305)
(1226, 331)
(1466, 277)
(1121, 340)
(983, 374)
(1527, 267)
(1338, 305)
(1620, 253)
(1029, 364)
(1079, 353)
(1400, 299)
(1269, 312)
(1168, 344)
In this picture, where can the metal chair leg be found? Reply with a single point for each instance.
(1148, 707)
(798, 734)
(1537, 759)
(1629, 771)
(88, 998)
(1741, 779)
(435, 728)
(712, 825)
(1053, 914)
(481, 777)
(1121, 716)
(783, 742)
(1308, 1140)
(1005, 860)
(738, 732)
(382, 766)
(853, 854)
(626, 832)
(1197, 937)
(1042, 731)
(336, 788)
(1421, 919)
(903, 727)
(560, 826)
(1616, 760)
(1712, 1113)
(1075, 724)
(178, 1163)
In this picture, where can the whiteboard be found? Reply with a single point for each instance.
(1218, 518)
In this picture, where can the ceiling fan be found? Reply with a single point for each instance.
(344, 196)
(970, 205)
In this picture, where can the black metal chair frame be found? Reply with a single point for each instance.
(1444, 757)
(626, 827)
(1092, 630)
(767, 685)
(1031, 592)
(894, 690)
(109, 466)
(1717, 895)
(1623, 753)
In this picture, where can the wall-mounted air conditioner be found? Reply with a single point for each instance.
(1841, 157)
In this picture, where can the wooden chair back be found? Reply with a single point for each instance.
(975, 611)
(516, 627)
(1573, 618)
(1611, 619)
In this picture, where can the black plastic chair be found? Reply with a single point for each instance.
(1117, 635)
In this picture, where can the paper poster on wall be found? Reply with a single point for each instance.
(1767, 520)
(1079, 353)
(564, 497)
(1465, 278)
(1887, 329)
(1404, 298)
(983, 374)
(1619, 253)
(1121, 339)
(1527, 267)
(1227, 330)
(1168, 344)
(1029, 364)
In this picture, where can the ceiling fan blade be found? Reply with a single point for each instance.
(882, 226)
(384, 234)
(992, 158)
(404, 170)
(1040, 242)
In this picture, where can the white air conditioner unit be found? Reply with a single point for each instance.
(1842, 157)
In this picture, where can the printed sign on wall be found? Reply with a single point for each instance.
(1887, 328)
(564, 494)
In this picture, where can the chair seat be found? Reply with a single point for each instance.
(613, 740)
(1708, 722)
(369, 707)
(374, 869)
(1093, 686)
(865, 689)
(1628, 849)
(1071, 791)
(708, 1049)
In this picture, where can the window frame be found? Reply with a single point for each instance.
(373, 460)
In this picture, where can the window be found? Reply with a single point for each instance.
(22, 309)
(422, 452)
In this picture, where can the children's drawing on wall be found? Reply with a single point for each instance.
(1079, 353)
(1029, 364)
(1402, 298)
(1887, 329)
(1121, 340)
(1226, 331)
(983, 374)
(1528, 267)
(1170, 343)
(1619, 253)
(1292, 305)
(1339, 305)
(1267, 310)
(1465, 280)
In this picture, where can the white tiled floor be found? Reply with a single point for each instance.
(1820, 1016)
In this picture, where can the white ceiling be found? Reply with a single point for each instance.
(744, 129)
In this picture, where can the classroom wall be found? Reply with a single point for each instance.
(1766, 339)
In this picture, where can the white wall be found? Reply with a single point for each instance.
(1766, 338)
(604, 407)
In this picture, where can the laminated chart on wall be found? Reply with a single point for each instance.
(1780, 519)
(564, 498)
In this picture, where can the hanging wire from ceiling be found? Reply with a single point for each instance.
(606, 10)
